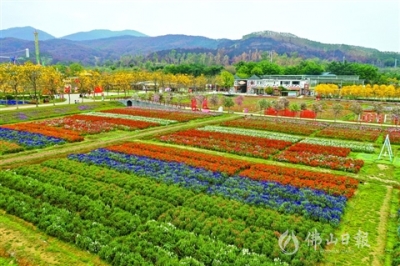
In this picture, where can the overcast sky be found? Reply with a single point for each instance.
(374, 24)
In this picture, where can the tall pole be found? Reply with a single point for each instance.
(37, 47)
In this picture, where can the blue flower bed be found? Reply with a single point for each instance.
(314, 204)
(11, 102)
(28, 140)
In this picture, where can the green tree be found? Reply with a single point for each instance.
(256, 71)
(226, 79)
(74, 69)
(228, 103)
(263, 104)
(269, 90)
(269, 68)
(294, 107)
(309, 67)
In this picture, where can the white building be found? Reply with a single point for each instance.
(290, 85)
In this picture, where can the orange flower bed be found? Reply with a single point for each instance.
(332, 184)
(41, 128)
(210, 162)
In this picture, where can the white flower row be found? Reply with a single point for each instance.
(253, 133)
(354, 146)
(132, 117)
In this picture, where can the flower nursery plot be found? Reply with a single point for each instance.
(28, 140)
(351, 132)
(299, 127)
(43, 129)
(93, 124)
(207, 161)
(253, 133)
(320, 155)
(153, 204)
(352, 145)
(266, 145)
(227, 142)
(25, 115)
(174, 115)
(71, 129)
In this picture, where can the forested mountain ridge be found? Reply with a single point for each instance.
(192, 49)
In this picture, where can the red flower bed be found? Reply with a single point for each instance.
(279, 125)
(308, 114)
(320, 160)
(210, 162)
(42, 128)
(394, 135)
(118, 122)
(164, 114)
(285, 112)
(332, 184)
(238, 144)
(362, 134)
(320, 149)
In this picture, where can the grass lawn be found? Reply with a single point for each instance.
(365, 223)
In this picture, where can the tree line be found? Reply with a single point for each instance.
(285, 66)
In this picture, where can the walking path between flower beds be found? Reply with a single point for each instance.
(382, 228)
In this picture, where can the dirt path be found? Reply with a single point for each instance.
(384, 181)
(382, 228)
